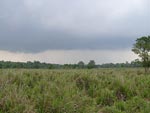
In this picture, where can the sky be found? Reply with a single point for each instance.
(67, 31)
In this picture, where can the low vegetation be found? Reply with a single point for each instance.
(74, 91)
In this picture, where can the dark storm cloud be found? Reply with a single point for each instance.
(37, 40)
(33, 26)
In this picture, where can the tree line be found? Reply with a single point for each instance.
(79, 65)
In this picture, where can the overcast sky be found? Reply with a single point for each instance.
(65, 31)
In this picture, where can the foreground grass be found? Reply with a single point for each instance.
(74, 91)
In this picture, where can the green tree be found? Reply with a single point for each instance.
(80, 64)
(142, 48)
(91, 64)
(51, 66)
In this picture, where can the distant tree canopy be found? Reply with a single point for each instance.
(79, 65)
(142, 48)
(91, 64)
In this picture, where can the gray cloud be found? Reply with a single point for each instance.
(39, 25)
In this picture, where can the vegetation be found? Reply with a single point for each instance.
(91, 64)
(31, 87)
(142, 48)
(116, 90)
(79, 65)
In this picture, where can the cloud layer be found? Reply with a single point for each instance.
(39, 25)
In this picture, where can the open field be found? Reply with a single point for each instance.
(74, 91)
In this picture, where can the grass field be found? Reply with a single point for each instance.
(74, 91)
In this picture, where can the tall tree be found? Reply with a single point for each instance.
(142, 48)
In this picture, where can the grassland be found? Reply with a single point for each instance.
(74, 91)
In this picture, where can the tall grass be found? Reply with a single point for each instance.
(74, 91)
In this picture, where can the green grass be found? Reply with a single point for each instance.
(74, 91)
